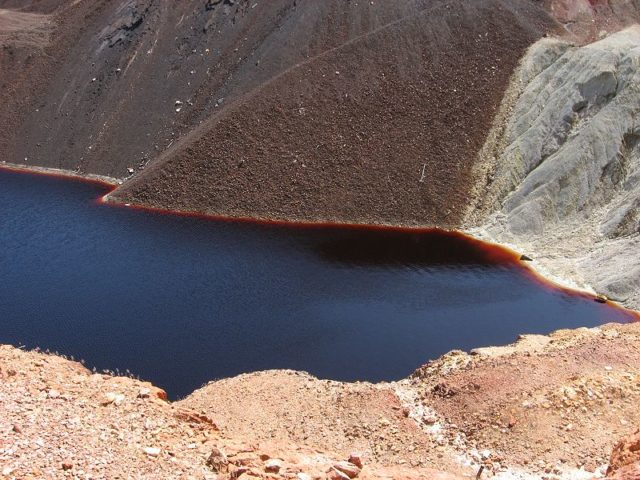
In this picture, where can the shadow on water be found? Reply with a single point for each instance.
(180, 301)
(422, 249)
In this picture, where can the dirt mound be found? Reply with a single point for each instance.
(61, 421)
(321, 414)
(355, 111)
(545, 407)
(384, 128)
(549, 404)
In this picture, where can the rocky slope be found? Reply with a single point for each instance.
(563, 171)
(306, 110)
(357, 133)
(546, 407)
(625, 462)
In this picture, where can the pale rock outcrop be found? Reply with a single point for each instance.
(563, 168)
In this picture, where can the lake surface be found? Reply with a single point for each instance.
(180, 301)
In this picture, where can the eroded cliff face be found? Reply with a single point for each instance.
(562, 168)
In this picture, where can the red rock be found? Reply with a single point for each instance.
(630, 472)
(348, 468)
(356, 459)
(625, 453)
(237, 471)
(162, 395)
(334, 474)
(218, 461)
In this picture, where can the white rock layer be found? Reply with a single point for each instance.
(562, 168)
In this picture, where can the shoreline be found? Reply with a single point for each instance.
(61, 173)
(501, 252)
(532, 342)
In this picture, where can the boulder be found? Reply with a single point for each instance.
(273, 465)
(348, 468)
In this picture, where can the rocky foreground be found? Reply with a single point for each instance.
(545, 407)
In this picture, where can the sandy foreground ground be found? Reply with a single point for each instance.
(546, 407)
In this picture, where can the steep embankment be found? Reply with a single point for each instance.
(354, 111)
(100, 94)
(563, 171)
(382, 129)
(546, 407)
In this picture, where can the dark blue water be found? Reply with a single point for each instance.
(180, 301)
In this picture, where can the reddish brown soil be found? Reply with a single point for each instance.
(281, 133)
(547, 404)
(382, 129)
(322, 415)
